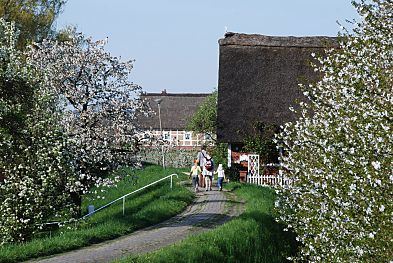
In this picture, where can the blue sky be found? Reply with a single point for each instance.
(175, 43)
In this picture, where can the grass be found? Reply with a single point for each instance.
(252, 237)
(145, 208)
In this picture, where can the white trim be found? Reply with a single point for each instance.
(185, 135)
(229, 155)
(165, 134)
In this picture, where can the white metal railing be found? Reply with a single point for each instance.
(114, 201)
(124, 196)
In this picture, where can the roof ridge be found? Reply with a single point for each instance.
(241, 39)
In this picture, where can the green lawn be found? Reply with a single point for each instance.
(252, 237)
(145, 208)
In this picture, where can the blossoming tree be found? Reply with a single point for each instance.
(78, 121)
(99, 104)
(340, 150)
(34, 161)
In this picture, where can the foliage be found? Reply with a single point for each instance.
(148, 207)
(34, 18)
(220, 154)
(204, 119)
(341, 155)
(252, 237)
(174, 157)
(233, 172)
(263, 143)
(33, 149)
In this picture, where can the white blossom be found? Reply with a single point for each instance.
(340, 151)
(376, 165)
(80, 121)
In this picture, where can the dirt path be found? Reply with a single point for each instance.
(208, 210)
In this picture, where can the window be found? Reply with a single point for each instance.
(167, 136)
(187, 136)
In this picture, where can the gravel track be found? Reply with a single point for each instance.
(210, 208)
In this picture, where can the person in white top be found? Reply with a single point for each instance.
(220, 176)
(201, 157)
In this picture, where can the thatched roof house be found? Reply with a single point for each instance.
(258, 80)
(176, 109)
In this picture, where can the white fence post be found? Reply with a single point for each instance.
(124, 200)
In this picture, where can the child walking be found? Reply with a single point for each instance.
(195, 171)
(220, 176)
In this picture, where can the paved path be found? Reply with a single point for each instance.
(208, 210)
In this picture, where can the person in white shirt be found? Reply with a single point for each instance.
(201, 157)
(220, 176)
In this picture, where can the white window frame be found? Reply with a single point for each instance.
(185, 136)
(167, 136)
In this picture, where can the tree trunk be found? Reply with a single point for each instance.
(76, 199)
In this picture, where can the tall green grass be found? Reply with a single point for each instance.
(252, 237)
(145, 208)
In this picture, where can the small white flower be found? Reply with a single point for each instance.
(378, 181)
(376, 165)
(368, 211)
(381, 208)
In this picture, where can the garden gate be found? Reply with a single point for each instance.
(253, 169)
(254, 176)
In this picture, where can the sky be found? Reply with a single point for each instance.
(174, 43)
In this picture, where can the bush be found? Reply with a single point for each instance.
(176, 158)
(263, 143)
(233, 173)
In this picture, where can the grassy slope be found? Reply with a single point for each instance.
(151, 206)
(252, 237)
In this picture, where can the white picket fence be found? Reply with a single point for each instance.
(254, 176)
(269, 179)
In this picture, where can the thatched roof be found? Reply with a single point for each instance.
(258, 80)
(176, 109)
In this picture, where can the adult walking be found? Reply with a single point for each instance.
(208, 173)
(201, 157)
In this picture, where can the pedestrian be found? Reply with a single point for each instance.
(220, 176)
(195, 172)
(201, 157)
(208, 171)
